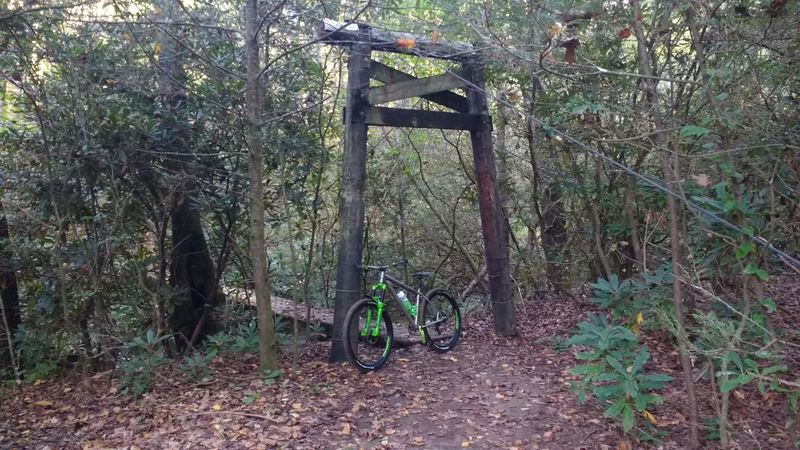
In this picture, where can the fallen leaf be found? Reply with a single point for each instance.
(466, 443)
(345, 429)
(43, 403)
(701, 179)
(217, 407)
(554, 30)
(650, 417)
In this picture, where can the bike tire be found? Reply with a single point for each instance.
(441, 302)
(353, 339)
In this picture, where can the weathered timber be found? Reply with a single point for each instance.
(351, 210)
(337, 33)
(489, 201)
(413, 118)
(318, 315)
(414, 88)
(390, 75)
(359, 114)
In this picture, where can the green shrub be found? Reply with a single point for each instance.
(635, 298)
(244, 337)
(38, 353)
(139, 361)
(614, 372)
(195, 366)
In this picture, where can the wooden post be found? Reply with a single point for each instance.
(351, 210)
(492, 223)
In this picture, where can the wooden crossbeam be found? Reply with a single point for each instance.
(414, 118)
(390, 75)
(414, 88)
(338, 33)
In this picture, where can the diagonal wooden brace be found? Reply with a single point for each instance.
(414, 88)
(390, 75)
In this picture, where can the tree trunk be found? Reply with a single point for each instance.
(401, 224)
(191, 268)
(671, 180)
(553, 225)
(254, 99)
(633, 223)
(10, 297)
(549, 212)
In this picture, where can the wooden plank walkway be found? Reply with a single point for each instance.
(324, 316)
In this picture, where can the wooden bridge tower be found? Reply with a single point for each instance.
(362, 110)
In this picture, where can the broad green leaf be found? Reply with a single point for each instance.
(744, 249)
(694, 131)
(613, 362)
(627, 419)
(735, 382)
(584, 370)
(775, 369)
(605, 392)
(615, 409)
(607, 377)
(752, 269)
(641, 359)
(736, 359)
(770, 305)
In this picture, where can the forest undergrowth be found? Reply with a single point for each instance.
(490, 392)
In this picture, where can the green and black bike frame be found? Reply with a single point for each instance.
(378, 295)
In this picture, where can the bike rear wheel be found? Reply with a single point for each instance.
(367, 338)
(441, 320)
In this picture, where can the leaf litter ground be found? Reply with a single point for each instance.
(489, 392)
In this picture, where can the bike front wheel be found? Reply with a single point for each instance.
(368, 336)
(441, 320)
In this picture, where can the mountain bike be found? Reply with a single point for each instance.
(368, 331)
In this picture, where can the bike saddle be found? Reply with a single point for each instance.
(422, 275)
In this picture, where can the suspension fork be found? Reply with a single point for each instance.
(379, 288)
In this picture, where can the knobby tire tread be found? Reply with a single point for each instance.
(457, 310)
(348, 350)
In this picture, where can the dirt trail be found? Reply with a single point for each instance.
(487, 393)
